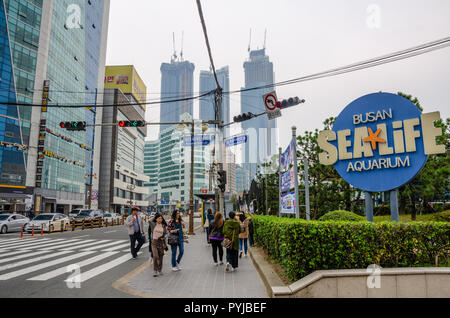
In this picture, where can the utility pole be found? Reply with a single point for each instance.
(218, 100)
(265, 185)
(191, 191)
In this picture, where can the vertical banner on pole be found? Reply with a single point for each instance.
(279, 181)
(294, 152)
(308, 216)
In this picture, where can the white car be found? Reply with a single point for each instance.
(110, 217)
(12, 222)
(49, 222)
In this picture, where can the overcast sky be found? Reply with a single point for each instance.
(303, 37)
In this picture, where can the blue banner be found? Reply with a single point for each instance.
(288, 203)
(287, 180)
(287, 157)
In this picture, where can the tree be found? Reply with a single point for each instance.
(433, 180)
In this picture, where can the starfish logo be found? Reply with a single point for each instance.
(373, 138)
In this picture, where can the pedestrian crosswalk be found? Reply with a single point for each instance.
(42, 259)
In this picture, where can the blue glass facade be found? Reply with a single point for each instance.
(12, 160)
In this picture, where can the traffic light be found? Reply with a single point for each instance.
(222, 180)
(292, 101)
(131, 123)
(73, 125)
(243, 117)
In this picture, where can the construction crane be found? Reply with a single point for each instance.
(174, 56)
(250, 41)
(181, 52)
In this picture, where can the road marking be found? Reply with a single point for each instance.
(145, 245)
(65, 244)
(79, 246)
(47, 244)
(102, 246)
(21, 256)
(18, 245)
(63, 270)
(18, 240)
(41, 266)
(83, 236)
(118, 247)
(3, 244)
(110, 232)
(14, 253)
(33, 260)
(103, 268)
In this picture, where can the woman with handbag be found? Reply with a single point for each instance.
(216, 237)
(231, 230)
(157, 236)
(176, 239)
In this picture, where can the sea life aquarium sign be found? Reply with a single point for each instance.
(380, 141)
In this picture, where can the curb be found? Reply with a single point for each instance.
(268, 276)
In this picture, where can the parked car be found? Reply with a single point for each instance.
(12, 222)
(49, 222)
(89, 215)
(74, 213)
(109, 217)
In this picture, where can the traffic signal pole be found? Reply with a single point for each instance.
(191, 191)
(218, 100)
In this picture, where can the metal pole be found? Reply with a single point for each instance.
(294, 150)
(265, 187)
(369, 206)
(279, 181)
(191, 191)
(218, 100)
(308, 216)
(394, 205)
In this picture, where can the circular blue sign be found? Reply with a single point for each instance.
(379, 141)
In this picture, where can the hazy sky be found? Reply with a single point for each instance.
(303, 37)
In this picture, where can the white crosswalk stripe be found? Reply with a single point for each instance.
(33, 260)
(101, 246)
(63, 270)
(24, 242)
(14, 253)
(43, 265)
(74, 247)
(103, 268)
(118, 247)
(34, 243)
(23, 257)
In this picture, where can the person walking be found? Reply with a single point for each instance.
(243, 235)
(157, 236)
(209, 219)
(231, 231)
(176, 241)
(135, 226)
(251, 240)
(216, 237)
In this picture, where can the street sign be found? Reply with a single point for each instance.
(198, 140)
(237, 140)
(270, 102)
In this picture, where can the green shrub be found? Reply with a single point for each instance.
(341, 215)
(302, 247)
(441, 216)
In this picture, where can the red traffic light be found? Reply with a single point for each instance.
(121, 124)
(62, 124)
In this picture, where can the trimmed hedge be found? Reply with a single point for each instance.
(302, 247)
(441, 216)
(341, 215)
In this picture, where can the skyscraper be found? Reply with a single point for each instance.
(207, 104)
(261, 131)
(177, 82)
(56, 52)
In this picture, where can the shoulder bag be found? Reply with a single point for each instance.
(227, 243)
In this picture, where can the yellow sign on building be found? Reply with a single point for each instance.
(128, 80)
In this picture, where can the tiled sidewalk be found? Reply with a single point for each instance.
(199, 278)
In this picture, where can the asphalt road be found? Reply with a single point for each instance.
(38, 266)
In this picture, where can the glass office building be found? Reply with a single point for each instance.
(177, 81)
(262, 137)
(58, 50)
(207, 104)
